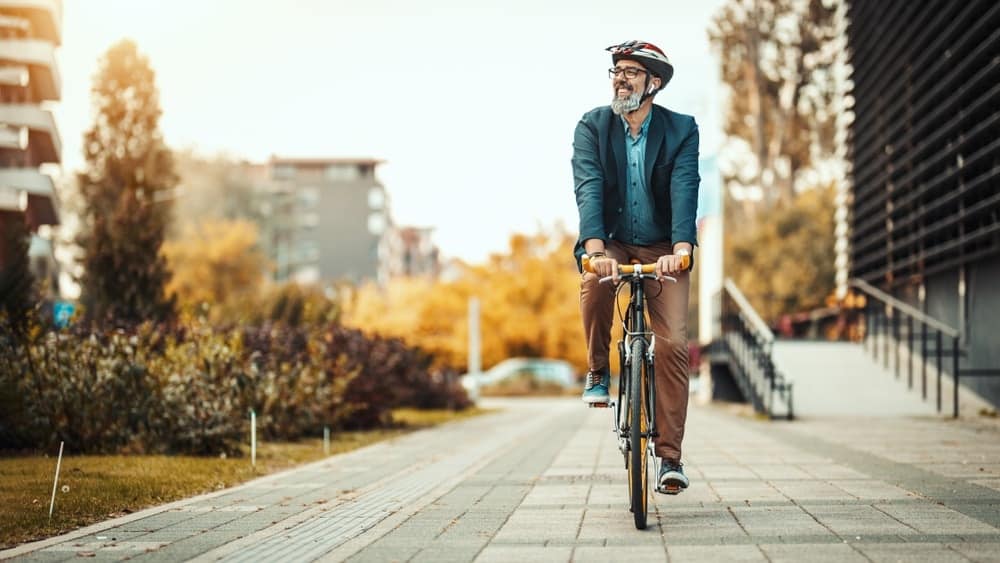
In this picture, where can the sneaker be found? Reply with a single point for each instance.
(597, 385)
(672, 479)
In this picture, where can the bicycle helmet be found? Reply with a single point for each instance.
(651, 57)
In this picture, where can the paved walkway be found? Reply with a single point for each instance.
(543, 481)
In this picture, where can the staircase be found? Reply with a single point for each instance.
(840, 379)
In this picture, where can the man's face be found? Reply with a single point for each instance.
(625, 86)
(628, 89)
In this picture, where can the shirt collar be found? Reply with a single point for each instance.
(642, 128)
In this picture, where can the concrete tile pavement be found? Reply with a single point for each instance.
(544, 481)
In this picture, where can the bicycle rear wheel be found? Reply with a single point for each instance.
(638, 459)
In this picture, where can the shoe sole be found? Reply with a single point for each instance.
(671, 487)
(592, 400)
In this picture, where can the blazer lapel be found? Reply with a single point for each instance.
(654, 138)
(618, 146)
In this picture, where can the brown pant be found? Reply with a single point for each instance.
(667, 310)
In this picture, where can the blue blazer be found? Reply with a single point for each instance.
(599, 173)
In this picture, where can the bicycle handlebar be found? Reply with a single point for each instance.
(629, 269)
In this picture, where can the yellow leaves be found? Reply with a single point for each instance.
(783, 260)
(529, 302)
(215, 262)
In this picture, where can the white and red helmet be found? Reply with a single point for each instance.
(648, 55)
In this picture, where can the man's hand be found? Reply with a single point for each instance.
(668, 265)
(605, 266)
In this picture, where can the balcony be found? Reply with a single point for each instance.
(44, 144)
(29, 191)
(40, 59)
(45, 16)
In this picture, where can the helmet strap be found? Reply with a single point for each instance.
(646, 94)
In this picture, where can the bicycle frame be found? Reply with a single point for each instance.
(634, 326)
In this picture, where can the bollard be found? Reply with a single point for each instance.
(55, 483)
(326, 440)
(253, 438)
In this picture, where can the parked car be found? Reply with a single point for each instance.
(541, 370)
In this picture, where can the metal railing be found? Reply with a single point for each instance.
(889, 321)
(747, 342)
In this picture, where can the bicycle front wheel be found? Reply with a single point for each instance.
(638, 471)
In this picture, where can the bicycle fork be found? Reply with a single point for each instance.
(621, 432)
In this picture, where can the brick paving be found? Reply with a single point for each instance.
(542, 480)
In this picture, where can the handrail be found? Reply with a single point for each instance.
(910, 310)
(891, 327)
(741, 301)
(747, 342)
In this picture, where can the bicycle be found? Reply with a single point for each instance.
(634, 413)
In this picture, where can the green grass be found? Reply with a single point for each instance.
(95, 488)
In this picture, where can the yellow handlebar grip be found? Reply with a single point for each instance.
(629, 268)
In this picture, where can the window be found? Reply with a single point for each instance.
(308, 196)
(376, 198)
(284, 171)
(309, 219)
(376, 223)
(307, 275)
(342, 172)
(308, 251)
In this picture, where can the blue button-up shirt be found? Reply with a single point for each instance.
(636, 225)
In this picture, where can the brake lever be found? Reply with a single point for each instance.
(644, 276)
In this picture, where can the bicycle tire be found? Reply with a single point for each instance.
(621, 422)
(638, 471)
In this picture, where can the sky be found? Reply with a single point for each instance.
(472, 104)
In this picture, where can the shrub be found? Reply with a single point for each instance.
(191, 390)
(297, 383)
(91, 391)
(390, 374)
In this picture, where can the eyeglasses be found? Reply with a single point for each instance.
(630, 72)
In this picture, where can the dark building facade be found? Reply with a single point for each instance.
(925, 153)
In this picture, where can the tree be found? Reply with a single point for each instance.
(787, 259)
(783, 63)
(127, 189)
(778, 59)
(529, 303)
(17, 294)
(215, 263)
(213, 187)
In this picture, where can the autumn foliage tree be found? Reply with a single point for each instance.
(787, 259)
(215, 263)
(126, 190)
(529, 303)
(777, 59)
(781, 61)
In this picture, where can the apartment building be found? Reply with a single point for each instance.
(30, 32)
(408, 251)
(325, 220)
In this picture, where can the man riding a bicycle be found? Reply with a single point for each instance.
(635, 171)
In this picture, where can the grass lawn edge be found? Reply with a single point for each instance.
(147, 510)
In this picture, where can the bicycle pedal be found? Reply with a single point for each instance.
(671, 489)
(599, 405)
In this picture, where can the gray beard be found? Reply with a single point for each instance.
(622, 106)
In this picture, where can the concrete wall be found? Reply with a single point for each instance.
(982, 312)
(983, 326)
